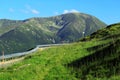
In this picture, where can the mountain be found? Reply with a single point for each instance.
(82, 23)
(7, 25)
(96, 57)
(26, 34)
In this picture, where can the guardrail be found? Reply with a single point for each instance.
(14, 55)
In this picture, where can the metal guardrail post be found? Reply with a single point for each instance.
(3, 60)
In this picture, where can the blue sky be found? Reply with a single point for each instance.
(106, 10)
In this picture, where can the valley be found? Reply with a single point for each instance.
(95, 57)
(59, 40)
(22, 35)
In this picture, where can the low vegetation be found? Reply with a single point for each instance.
(93, 58)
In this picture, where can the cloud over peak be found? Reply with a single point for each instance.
(70, 11)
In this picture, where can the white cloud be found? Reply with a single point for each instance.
(11, 9)
(34, 11)
(75, 11)
(66, 11)
(30, 10)
(70, 11)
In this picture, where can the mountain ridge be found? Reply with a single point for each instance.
(95, 59)
(28, 33)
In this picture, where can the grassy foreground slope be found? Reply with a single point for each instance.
(95, 59)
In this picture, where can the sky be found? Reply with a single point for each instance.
(106, 10)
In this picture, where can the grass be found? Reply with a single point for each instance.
(92, 59)
(50, 64)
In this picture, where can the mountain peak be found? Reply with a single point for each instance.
(26, 34)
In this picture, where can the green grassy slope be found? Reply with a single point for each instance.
(97, 59)
(50, 64)
(111, 31)
(103, 63)
(28, 33)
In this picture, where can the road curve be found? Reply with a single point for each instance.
(13, 55)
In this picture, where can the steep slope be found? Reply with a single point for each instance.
(96, 59)
(7, 25)
(35, 31)
(24, 38)
(49, 64)
(75, 24)
(103, 63)
(112, 31)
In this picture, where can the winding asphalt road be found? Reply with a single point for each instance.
(28, 52)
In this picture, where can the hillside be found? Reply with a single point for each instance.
(111, 31)
(25, 35)
(7, 25)
(95, 59)
(103, 63)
